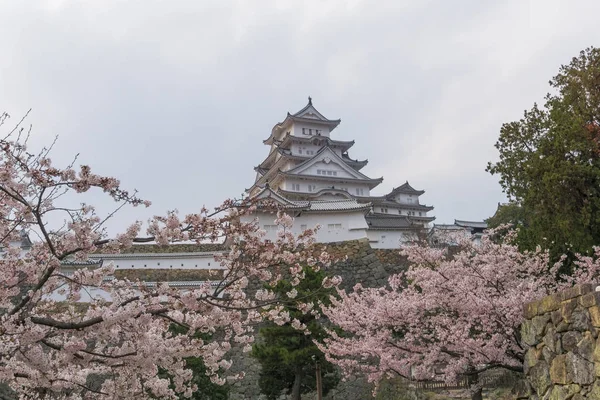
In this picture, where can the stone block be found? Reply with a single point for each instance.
(549, 339)
(540, 378)
(556, 317)
(595, 392)
(560, 392)
(528, 333)
(547, 354)
(596, 356)
(580, 320)
(579, 370)
(570, 340)
(562, 327)
(590, 299)
(586, 347)
(558, 370)
(549, 303)
(530, 309)
(594, 312)
(567, 308)
(531, 358)
(577, 291)
(540, 323)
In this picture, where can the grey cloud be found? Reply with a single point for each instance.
(175, 98)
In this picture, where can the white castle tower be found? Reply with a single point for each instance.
(313, 177)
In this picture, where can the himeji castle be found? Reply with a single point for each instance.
(311, 174)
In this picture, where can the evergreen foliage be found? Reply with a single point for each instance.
(550, 162)
(287, 355)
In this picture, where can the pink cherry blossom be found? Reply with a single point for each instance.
(52, 347)
(457, 313)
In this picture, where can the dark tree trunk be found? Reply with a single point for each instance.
(475, 387)
(296, 387)
(477, 394)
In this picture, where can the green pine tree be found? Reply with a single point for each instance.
(207, 390)
(287, 356)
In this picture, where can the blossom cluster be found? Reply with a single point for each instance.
(55, 347)
(453, 312)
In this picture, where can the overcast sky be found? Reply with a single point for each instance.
(175, 97)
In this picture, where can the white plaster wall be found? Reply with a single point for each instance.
(406, 198)
(296, 129)
(287, 185)
(381, 239)
(332, 166)
(304, 147)
(391, 210)
(163, 262)
(353, 225)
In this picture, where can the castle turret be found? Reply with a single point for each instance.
(311, 174)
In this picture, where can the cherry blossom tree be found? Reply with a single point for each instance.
(450, 314)
(115, 349)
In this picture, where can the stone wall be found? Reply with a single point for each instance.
(560, 333)
(357, 262)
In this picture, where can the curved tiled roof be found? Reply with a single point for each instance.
(78, 263)
(471, 224)
(388, 222)
(315, 195)
(405, 188)
(338, 205)
(299, 116)
(412, 206)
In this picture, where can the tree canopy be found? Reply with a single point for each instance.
(287, 353)
(549, 161)
(451, 314)
(114, 346)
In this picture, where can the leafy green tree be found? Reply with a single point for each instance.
(287, 356)
(207, 390)
(550, 162)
